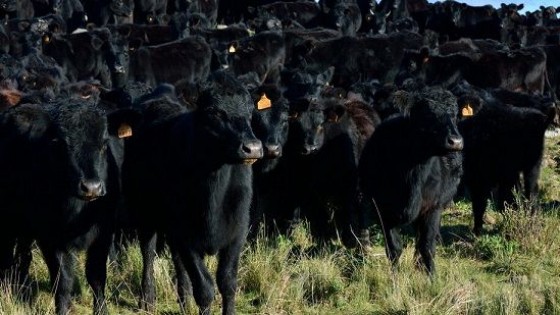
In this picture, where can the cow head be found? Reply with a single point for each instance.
(8, 5)
(306, 134)
(346, 18)
(270, 123)
(224, 111)
(433, 113)
(70, 140)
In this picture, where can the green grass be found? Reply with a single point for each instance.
(513, 268)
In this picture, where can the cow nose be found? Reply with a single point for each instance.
(454, 143)
(119, 69)
(309, 149)
(252, 149)
(91, 189)
(273, 150)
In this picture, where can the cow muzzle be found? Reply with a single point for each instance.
(251, 151)
(272, 151)
(454, 143)
(91, 189)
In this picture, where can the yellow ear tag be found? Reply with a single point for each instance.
(467, 111)
(124, 131)
(231, 49)
(264, 102)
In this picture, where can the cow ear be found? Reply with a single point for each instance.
(9, 97)
(297, 107)
(96, 43)
(125, 31)
(23, 26)
(135, 44)
(325, 77)
(54, 27)
(30, 121)
(123, 122)
(520, 7)
(90, 26)
(165, 19)
(251, 80)
(334, 113)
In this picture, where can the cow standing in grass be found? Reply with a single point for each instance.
(189, 177)
(411, 167)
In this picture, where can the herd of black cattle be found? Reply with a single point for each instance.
(197, 121)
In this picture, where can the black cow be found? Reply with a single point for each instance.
(21, 9)
(504, 137)
(342, 15)
(359, 59)
(521, 70)
(411, 167)
(83, 55)
(60, 183)
(263, 54)
(195, 167)
(270, 124)
(104, 12)
(149, 11)
(186, 59)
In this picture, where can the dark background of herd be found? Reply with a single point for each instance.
(441, 98)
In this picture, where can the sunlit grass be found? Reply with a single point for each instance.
(513, 268)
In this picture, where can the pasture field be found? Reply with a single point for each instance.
(513, 268)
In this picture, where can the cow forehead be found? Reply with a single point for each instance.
(77, 120)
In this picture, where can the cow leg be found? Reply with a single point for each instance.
(531, 185)
(60, 265)
(428, 231)
(227, 275)
(148, 249)
(184, 287)
(202, 283)
(479, 199)
(393, 245)
(24, 257)
(7, 245)
(505, 192)
(96, 270)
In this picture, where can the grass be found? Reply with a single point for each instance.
(513, 268)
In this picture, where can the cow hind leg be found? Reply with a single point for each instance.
(531, 185)
(148, 291)
(227, 275)
(96, 271)
(7, 245)
(479, 201)
(393, 245)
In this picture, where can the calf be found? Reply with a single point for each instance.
(410, 169)
(521, 70)
(195, 167)
(186, 59)
(502, 141)
(59, 183)
(263, 54)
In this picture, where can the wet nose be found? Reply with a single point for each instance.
(309, 149)
(454, 143)
(91, 189)
(251, 149)
(273, 150)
